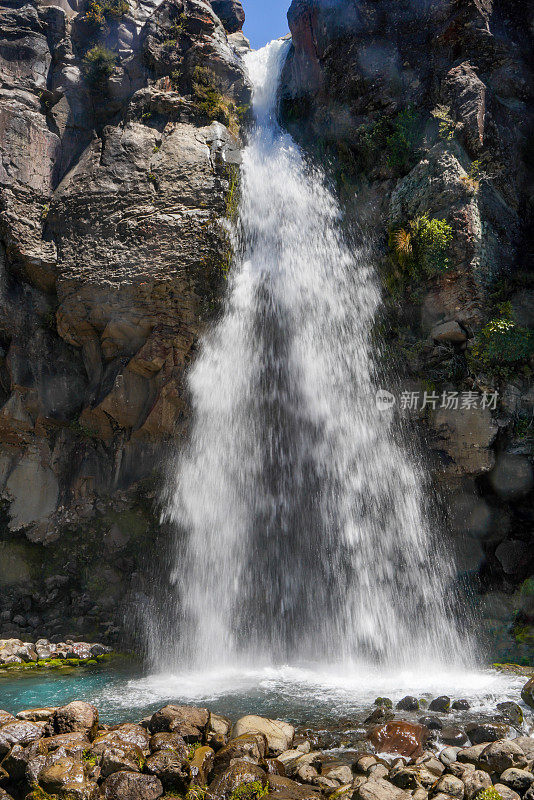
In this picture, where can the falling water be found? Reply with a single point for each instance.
(300, 521)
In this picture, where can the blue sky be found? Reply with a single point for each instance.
(265, 20)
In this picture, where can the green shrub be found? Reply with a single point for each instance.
(100, 11)
(250, 791)
(502, 340)
(98, 64)
(422, 247)
(446, 124)
(402, 143)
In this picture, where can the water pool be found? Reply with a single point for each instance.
(299, 694)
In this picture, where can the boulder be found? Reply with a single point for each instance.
(36, 714)
(454, 736)
(505, 792)
(66, 779)
(500, 756)
(511, 712)
(526, 743)
(380, 789)
(408, 703)
(474, 782)
(77, 716)
(450, 786)
(190, 722)
(73, 744)
(239, 773)
(172, 769)
(487, 732)
(251, 746)
(448, 332)
(461, 705)
(527, 693)
(432, 723)
(279, 735)
(169, 741)
(442, 704)
(517, 779)
(404, 738)
(118, 759)
(125, 735)
(5, 717)
(286, 789)
(18, 732)
(231, 14)
(131, 786)
(512, 477)
(202, 765)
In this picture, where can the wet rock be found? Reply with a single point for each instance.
(448, 332)
(475, 782)
(461, 705)
(18, 732)
(404, 738)
(343, 774)
(168, 741)
(408, 704)
(202, 765)
(364, 764)
(76, 717)
(73, 744)
(501, 755)
(512, 712)
(239, 773)
(384, 701)
(517, 779)
(66, 779)
(173, 770)
(16, 761)
(487, 732)
(279, 735)
(252, 746)
(117, 759)
(36, 714)
(124, 736)
(527, 693)
(442, 704)
(379, 714)
(190, 722)
(286, 789)
(448, 755)
(219, 726)
(380, 790)
(512, 477)
(5, 717)
(432, 723)
(131, 786)
(454, 736)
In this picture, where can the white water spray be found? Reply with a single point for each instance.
(300, 521)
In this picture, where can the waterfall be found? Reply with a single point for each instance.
(300, 520)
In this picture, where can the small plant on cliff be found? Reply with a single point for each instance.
(473, 177)
(422, 247)
(250, 791)
(502, 342)
(206, 89)
(402, 143)
(98, 64)
(196, 792)
(100, 11)
(446, 124)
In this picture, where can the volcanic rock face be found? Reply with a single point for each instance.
(120, 144)
(425, 109)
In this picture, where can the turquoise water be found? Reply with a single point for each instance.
(303, 695)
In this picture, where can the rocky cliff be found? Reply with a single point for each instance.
(120, 138)
(424, 110)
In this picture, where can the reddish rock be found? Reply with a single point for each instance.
(404, 738)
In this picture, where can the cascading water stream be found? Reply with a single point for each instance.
(300, 520)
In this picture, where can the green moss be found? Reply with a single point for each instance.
(209, 97)
(192, 749)
(196, 793)
(490, 793)
(97, 65)
(250, 791)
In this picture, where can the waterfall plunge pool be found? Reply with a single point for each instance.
(319, 697)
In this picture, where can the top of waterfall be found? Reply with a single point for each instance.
(264, 68)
